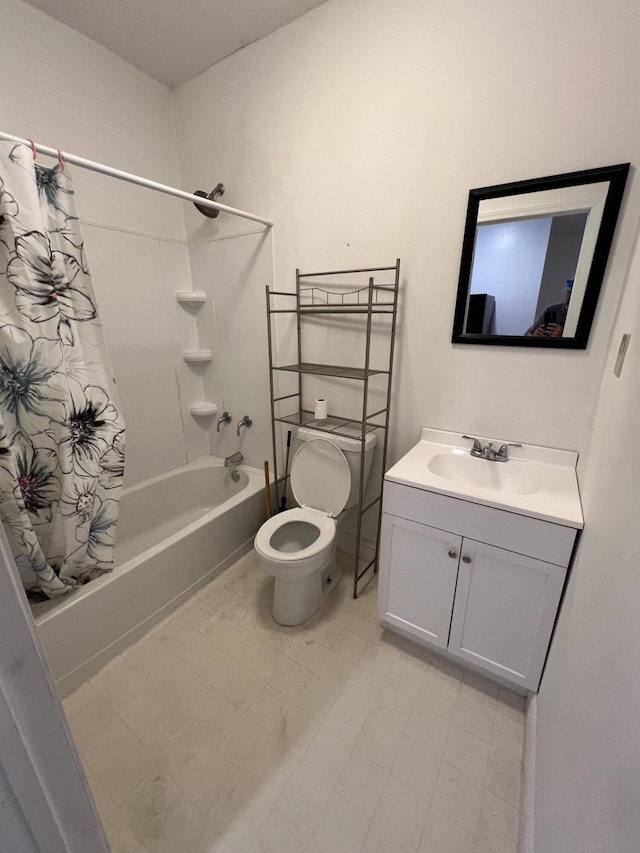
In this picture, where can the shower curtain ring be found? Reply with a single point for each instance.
(60, 159)
(33, 148)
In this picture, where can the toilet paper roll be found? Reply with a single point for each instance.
(320, 409)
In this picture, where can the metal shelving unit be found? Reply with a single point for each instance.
(364, 292)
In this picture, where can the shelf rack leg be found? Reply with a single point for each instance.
(299, 344)
(272, 395)
(386, 423)
(363, 437)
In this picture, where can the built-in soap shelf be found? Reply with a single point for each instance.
(191, 297)
(197, 355)
(203, 410)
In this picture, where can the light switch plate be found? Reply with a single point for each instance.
(622, 351)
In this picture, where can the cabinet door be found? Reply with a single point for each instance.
(418, 570)
(504, 611)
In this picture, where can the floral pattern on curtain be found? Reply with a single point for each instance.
(61, 430)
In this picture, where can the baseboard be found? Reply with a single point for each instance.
(347, 544)
(526, 841)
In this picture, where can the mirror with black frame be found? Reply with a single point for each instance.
(533, 258)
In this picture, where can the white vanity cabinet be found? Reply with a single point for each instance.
(482, 583)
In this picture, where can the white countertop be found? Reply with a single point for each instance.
(547, 476)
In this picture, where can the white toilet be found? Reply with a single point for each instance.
(298, 546)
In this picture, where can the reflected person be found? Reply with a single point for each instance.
(550, 322)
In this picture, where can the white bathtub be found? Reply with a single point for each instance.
(175, 533)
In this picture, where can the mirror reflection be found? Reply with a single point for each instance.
(533, 258)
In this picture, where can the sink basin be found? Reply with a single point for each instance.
(461, 467)
(536, 481)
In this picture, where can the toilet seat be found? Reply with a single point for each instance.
(324, 523)
(320, 482)
(320, 476)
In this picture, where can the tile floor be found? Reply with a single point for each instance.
(222, 732)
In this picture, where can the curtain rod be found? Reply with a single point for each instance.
(134, 179)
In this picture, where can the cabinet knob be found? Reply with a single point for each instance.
(466, 559)
(453, 554)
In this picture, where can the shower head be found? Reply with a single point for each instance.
(211, 212)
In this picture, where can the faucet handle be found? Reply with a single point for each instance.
(245, 422)
(224, 418)
(502, 452)
(477, 447)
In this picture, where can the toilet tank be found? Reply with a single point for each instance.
(351, 448)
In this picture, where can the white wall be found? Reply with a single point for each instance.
(63, 90)
(361, 128)
(588, 744)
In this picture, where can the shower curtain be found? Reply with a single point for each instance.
(61, 431)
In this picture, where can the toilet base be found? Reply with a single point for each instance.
(295, 601)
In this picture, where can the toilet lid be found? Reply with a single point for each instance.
(320, 476)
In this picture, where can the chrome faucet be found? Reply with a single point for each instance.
(224, 418)
(235, 459)
(245, 422)
(489, 451)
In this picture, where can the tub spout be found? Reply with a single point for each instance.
(235, 459)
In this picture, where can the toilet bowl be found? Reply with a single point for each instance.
(298, 546)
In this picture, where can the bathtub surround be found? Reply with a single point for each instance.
(233, 272)
(136, 241)
(62, 442)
